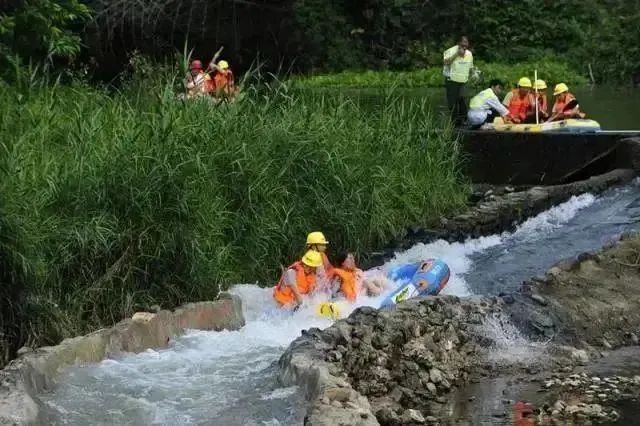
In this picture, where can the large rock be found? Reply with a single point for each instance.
(417, 351)
(37, 370)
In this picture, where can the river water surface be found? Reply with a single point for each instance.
(228, 378)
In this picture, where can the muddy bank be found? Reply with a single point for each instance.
(36, 371)
(497, 209)
(400, 366)
(591, 300)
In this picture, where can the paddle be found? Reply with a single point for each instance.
(571, 105)
(568, 107)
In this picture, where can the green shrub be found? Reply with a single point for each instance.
(121, 201)
(549, 70)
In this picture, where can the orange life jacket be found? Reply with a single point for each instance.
(348, 283)
(519, 107)
(559, 105)
(224, 81)
(306, 283)
(542, 102)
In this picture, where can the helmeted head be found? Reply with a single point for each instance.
(317, 241)
(524, 85)
(497, 86)
(560, 90)
(196, 65)
(311, 260)
(539, 85)
(223, 65)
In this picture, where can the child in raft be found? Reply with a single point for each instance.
(349, 280)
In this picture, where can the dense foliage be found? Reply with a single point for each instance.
(334, 35)
(406, 34)
(551, 71)
(112, 203)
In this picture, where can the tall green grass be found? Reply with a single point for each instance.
(119, 201)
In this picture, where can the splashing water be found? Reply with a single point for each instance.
(228, 377)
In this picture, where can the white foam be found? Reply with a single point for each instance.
(554, 217)
(204, 372)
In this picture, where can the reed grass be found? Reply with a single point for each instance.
(114, 202)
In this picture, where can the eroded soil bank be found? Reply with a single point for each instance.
(408, 365)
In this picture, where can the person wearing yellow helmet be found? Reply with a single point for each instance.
(223, 79)
(540, 93)
(520, 102)
(316, 241)
(297, 280)
(565, 105)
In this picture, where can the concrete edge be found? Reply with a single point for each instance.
(34, 372)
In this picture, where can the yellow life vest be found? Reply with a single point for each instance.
(481, 98)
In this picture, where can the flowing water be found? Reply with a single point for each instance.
(228, 378)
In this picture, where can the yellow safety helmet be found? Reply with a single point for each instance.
(524, 82)
(316, 238)
(312, 258)
(560, 88)
(539, 84)
(223, 65)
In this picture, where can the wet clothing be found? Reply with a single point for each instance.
(348, 283)
(484, 107)
(295, 274)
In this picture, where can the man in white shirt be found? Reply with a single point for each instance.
(458, 64)
(485, 106)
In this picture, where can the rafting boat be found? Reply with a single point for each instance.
(573, 125)
(425, 278)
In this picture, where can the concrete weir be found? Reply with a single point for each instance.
(37, 371)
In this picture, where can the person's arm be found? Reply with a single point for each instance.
(507, 99)
(471, 67)
(450, 54)
(290, 281)
(495, 104)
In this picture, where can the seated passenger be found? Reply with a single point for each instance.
(317, 242)
(566, 105)
(198, 82)
(297, 280)
(540, 93)
(350, 281)
(520, 102)
(223, 79)
(485, 106)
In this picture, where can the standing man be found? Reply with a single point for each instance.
(458, 63)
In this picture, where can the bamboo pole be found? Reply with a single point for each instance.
(535, 87)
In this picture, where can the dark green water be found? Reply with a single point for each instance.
(615, 108)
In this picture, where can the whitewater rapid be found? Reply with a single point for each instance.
(228, 377)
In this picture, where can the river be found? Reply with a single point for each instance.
(228, 378)
(615, 108)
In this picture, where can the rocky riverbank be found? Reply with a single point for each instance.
(404, 366)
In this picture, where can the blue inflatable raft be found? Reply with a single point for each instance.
(426, 278)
